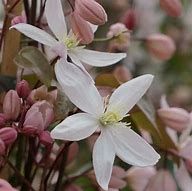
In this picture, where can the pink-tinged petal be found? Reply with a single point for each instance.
(78, 87)
(118, 172)
(98, 59)
(5, 186)
(131, 148)
(55, 18)
(93, 27)
(139, 177)
(103, 159)
(186, 149)
(162, 181)
(163, 102)
(35, 34)
(75, 127)
(183, 178)
(129, 93)
(117, 183)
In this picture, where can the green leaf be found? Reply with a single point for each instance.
(144, 117)
(32, 58)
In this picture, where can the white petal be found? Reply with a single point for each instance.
(35, 34)
(103, 159)
(93, 27)
(131, 148)
(78, 87)
(75, 127)
(129, 93)
(55, 18)
(183, 178)
(78, 63)
(99, 59)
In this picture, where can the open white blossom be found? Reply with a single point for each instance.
(66, 44)
(116, 137)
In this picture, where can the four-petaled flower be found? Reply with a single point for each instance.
(116, 137)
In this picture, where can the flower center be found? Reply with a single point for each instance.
(109, 118)
(71, 42)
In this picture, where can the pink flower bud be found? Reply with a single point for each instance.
(161, 46)
(5, 186)
(8, 135)
(23, 89)
(81, 28)
(116, 29)
(175, 118)
(11, 105)
(122, 74)
(163, 180)
(45, 138)
(2, 119)
(38, 117)
(2, 147)
(18, 19)
(172, 7)
(91, 11)
(130, 19)
(138, 177)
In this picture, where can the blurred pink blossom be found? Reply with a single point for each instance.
(138, 177)
(163, 180)
(172, 7)
(161, 46)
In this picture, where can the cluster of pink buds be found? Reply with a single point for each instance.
(27, 112)
(85, 14)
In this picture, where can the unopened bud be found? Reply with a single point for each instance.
(122, 74)
(130, 19)
(161, 46)
(81, 28)
(8, 135)
(172, 7)
(18, 19)
(23, 89)
(91, 11)
(11, 105)
(45, 138)
(116, 30)
(175, 118)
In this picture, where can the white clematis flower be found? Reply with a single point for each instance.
(66, 43)
(115, 138)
